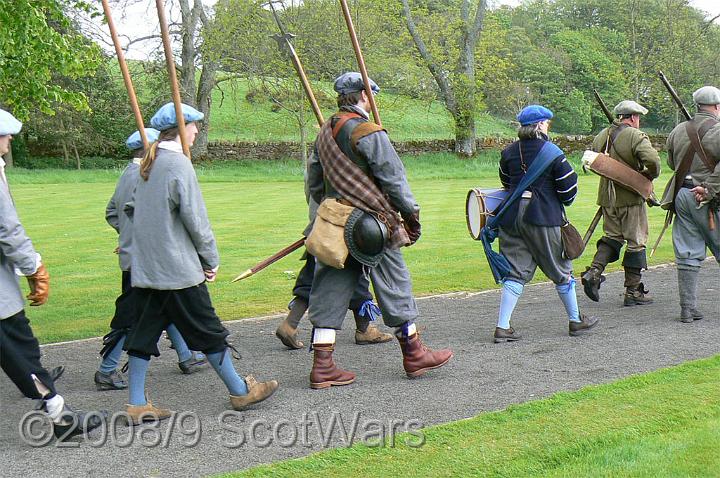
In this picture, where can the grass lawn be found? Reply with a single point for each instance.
(256, 208)
(665, 423)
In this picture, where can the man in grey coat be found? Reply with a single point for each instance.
(694, 194)
(19, 349)
(373, 161)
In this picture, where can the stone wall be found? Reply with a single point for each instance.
(239, 150)
(233, 151)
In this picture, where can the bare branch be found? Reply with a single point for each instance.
(437, 73)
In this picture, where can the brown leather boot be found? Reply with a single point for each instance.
(418, 359)
(287, 330)
(288, 335)
(325, 373)
(371, 336)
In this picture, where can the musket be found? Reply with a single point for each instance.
(275, 257)
(686, 114)
(126, 75)
(592, 226)
(172, 74)
(603, 106)
(283, 40)
(668, 221)
(598, 214)
(674, 96)
(360, 60)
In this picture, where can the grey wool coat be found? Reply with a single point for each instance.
(115, 213)
(172, 242)
(16, 252)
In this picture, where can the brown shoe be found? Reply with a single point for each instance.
(637, 296)
(324, 372)
(257, 392)
(371, 336)
(138, 414)
(288, 335)
(506, 335)
(586, 323)
(418, 359)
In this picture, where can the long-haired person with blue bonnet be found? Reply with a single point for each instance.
(174, 255)
(108, 377)
(530, 234)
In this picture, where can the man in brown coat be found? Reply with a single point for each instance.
(624, 212)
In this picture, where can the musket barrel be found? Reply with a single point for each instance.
(674, 96)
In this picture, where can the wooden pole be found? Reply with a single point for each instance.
(126, 75)
(170, 62)
(305, 83)
(270, 260)
(360, 60)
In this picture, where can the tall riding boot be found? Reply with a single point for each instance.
(687, 287)
(418, 359)
(287, 330)
(325, 373)
(608, 250)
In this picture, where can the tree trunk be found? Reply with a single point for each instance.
(465, 142)
(66, 154)
(77, 156)
(204, 104)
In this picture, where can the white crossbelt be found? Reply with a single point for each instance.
(527, 194)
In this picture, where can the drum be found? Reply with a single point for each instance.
(480, 204)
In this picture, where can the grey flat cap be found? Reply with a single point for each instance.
(352, 82)
(629, 107)
(707, 95)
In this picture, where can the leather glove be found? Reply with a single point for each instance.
(39, 286)
(412, 226)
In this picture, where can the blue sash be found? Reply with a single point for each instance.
(498, 263)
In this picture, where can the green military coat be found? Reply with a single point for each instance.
(633, 148)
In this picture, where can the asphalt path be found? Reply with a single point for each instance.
(298, 421)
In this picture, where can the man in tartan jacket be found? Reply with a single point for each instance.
(368, 174)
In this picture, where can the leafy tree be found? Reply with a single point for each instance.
(446, 40)
(39, 46)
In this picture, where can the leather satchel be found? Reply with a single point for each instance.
(326, 241)
(572, 241)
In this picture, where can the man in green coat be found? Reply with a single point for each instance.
(624, 212)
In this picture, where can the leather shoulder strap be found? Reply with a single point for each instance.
(684, 166)
(613, 133)
(696, 135)
(342, 119)
(362, 130)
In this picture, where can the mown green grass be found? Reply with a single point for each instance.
(236, 119)
(665, 423)
(256, 208)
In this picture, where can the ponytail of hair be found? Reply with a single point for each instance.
(148, 160)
